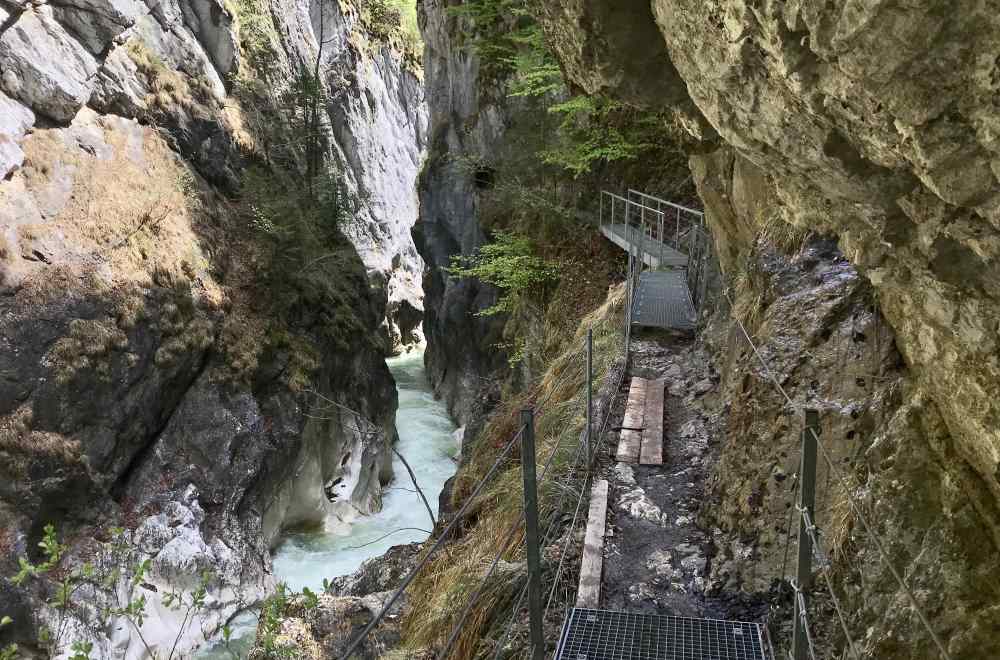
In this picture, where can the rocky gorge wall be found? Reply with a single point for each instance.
(171, 362)
(874, 123)
(468, 123)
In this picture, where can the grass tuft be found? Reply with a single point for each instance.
(445, 585)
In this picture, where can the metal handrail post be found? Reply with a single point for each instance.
(662, 222)
(531, 534)
(677, 233)
(590, 396)
(642, 237)
(807, 502)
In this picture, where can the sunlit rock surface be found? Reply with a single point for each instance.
(142, 384)
(875, 122)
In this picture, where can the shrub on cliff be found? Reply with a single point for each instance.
(509, 263)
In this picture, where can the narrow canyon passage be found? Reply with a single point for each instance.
(427, 442)
(306, 558)
(221, 219)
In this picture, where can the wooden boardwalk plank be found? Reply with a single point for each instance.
(651, 452)
(589, 592)
(631, 437)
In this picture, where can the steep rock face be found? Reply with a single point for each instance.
(878, 123)
(468, 127)
(875, 122)
(379, 118)
(896, 458)
(149, 377)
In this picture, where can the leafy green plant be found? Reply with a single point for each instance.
(106, 588)
(386, 19)
(509, 263)
(596, 129)
(593, 129)
(272, 613)
(8, 652)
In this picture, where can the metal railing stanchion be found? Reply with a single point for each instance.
(531, 533)
(807, 503)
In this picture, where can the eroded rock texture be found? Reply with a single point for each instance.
(876, 122)
(468, 128)
(153, 374)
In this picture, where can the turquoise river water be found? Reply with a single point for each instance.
(426, 440)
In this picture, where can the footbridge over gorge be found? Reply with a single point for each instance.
(670, 257)
(672, 273)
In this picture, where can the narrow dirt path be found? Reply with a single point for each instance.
(657, 558)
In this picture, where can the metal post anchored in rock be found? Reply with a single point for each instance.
(531, 533)
(590, 395)
(807, 502)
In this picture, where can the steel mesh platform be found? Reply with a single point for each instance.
(655, 254)
(606, 635)
(662, 300)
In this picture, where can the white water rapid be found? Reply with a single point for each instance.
(426, 440)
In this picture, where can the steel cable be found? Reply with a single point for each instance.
(878, 545)
(512, 530)
(458, 517)
(508, 537)
(582, 494)
(552, 528)
(850, 497)
(801, 600)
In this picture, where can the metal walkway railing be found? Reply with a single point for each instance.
(667, 238)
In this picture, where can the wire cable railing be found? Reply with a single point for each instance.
(583, 454)
(816, 539)
(509, 535)
(456, 519)
(550, 534)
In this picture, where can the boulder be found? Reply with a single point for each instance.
(96, 23)
(15, 120)
(212, 24)
(44, 67)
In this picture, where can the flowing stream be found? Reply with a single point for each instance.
(426, 440)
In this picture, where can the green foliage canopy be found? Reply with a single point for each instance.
(509, 263)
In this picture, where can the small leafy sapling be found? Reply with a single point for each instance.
(117, 583)
(8, 652)
(509, 263)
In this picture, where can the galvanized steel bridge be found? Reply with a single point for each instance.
(669, 257)
(671, 271)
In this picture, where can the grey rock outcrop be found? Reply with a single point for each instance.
(97, 23)
(349, 605)
(43, 66)
(213, 26)
(875, 122)
(468, 127)
(15, 121)
(379, 120)
(139, 385)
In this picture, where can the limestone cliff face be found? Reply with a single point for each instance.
(468, 126)
(875, 122)
(157, 372)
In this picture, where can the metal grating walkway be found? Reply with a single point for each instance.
(662, 300)
(590, 634)
(655, 253)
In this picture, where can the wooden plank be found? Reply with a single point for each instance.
(631, 437)
(589, 592)
(651, 452)
(629, 447)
